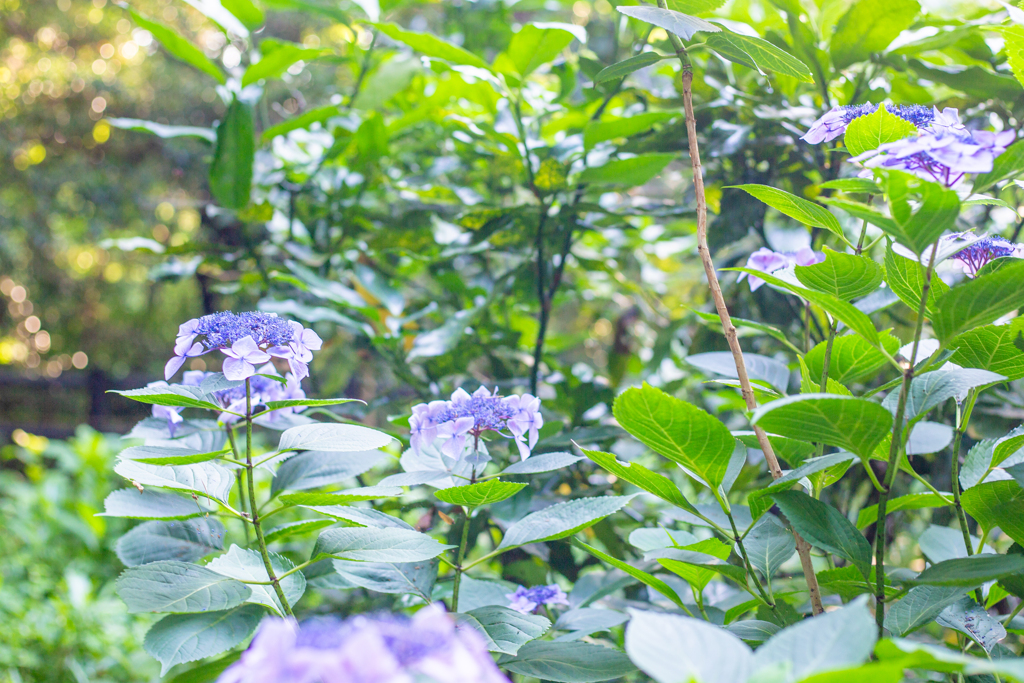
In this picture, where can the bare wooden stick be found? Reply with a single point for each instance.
(802, 546)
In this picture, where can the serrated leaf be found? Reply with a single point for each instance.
(869, 132)
(631, 172)
(172, 586)
(912, 501)
(919, 224)
(308, 402)
(314, 469)
(360, 516)
(763, 55)
(798, 208)
(1009, 164)
(295, 528)
(573, 662)
(400, 578)
(853, 359)
(846, 276)
(180, 638)
(825, 527)
(204, 478)
(769, 545)
(853, 424)
(856, 185)
(182, 541)
(996, 348)
(971, 571)
(504, 630)
(336, 438)
(683, 25)
(482, 493)
(150, 504)
(167, 455)
(997, 504)
(974, 621)
(671, 649)
(627, 66)
(366, 544)
(247, 565)
(920, 606)
(905, 277)
(934, 388)
(979, 301)
(640, 476)
(640, 575)
(561, 520)
(173, 395)
(342, 497)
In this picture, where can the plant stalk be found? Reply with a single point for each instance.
(955, 469)
(461, 558)
(803, 548)
(241, 484)
(895, 448)
(255, 508)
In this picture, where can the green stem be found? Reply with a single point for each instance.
(955, 477)
(254, 507)
(461, 557)
(863, 234)
(241, 484)
(895, 448)
(749, 566)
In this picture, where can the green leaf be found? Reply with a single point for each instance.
(764, 56)
(862, 211)
(207, 672)
(806, 469)
(155, 541)
(825, 527)
(996, 348)
(852, 360)
(561, 520)
(534, 46)
(853, 424)
(753, 630)
(763, 368)
(231, 170)
(171, 586)
(937, 210)
(638, 475)
(314, 469)
(1004, 449)
(797, 208)
(866, 133)
(247, 565)
(504, 630)
(905, 278)
(912, 501)
(396, 578)
(277, 56)
(971, 571)
(365, 544)
(432, 46)
(934, 388)
(180, 48)
(325, 9)
(180, 638)
(631, 172)
(672, 649)
(697, 563)
(913, 654)
(628, 66)
(677, 430)
(572, 662)
(1009, 164)
(649, 580)
(979, 301)
(481, 493)
(248, 13)
(332, 437)
(304, 402)
(150, 504)
(203, 478)
(366, 517)
(974, 621)
(163, 131)
(920, 606)
(599, 131)
(847, 582)
(856, 185)
(174, 395)
(304, 120)
(167, 455)
(295, 529)
(869, 26)
(680, 24)
(543, 462)
(769, 545)
(997, 504)
(695, 6)
(342, 497)
(846, 276)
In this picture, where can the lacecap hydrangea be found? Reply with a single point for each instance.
(452, 423)
(526, 600)
(247, 340)
(380, 649)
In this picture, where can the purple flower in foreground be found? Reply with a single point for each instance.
(247, 339)
(768, 261)
(834, 122)
(942, 156)
(453, 422)
(526, 600)
(985, 250)
(382, 649)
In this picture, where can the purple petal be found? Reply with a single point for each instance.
(238, 369)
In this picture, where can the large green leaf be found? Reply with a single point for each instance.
(769, 545)
(170, 395)
(971, 571)
(912, 501)
(150, 504)
(313, 469)
(572, 662)
(482, 493)
(536, 45)
(504, 630)
(180, 638)
(798, 208)
(155, 541)
(1009, 164)
(366, 544)
(628, 66)
(401, 578)
(974, 621)
(869, 26)
(677, 430)
(683, 25)
(342, 497)
(934, 388)
(561, 520)
(996, 348)
(171, 586)
(431, 46)
(167, 455)
(277, 56)
(997, 504)
(920, 606)
(638, 475)
(247, 565)
(609, 129)
(332, 437)
(759, 53)
(852, 359)
(825, 527)
(203, 478)
(854, 424)
(180, 48)
(847, 276)
(649, 580)
(980, 301)
(630, 172)
(231, 170)
(921, 210)
(905, 278)
(866, 133)
(698, 563)
(672, 649)
(247, 12)
(759, 367)
(543, 462)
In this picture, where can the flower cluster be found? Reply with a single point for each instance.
(262, 390)
(384, 649)
(768, 261)
(526, 600)
(834, 123)
(247, 339)
(453, 422)
(985, 250)
(941, 156)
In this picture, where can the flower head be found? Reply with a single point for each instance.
(985, 250)
(381, 649)
(940, 155)
(526, 600)
(834, 122)
(247, 339)
(768, 261)
(453, 422)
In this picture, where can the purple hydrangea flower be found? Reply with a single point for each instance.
(833, 124)
(382, 649)
(985, 250)
(453, 422)
(247, 339)
(943, 155)
(526, 600)
(768, 261)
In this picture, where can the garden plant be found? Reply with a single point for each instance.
(671, 342)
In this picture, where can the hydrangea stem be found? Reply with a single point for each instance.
(896, 447)
(803, 548)
(254, 508)
(461, 558)
(241, 484)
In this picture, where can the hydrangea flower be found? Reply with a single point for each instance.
(247, 339)
(943, 155)
(768, 261)
(985, 250)
(381, 649)
(453, 422)
(833, 124)
(526, 600)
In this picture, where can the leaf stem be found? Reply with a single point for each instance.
(255, 508)
(241, 484)
(895, 449)
(803, 548)
(738, 540)
(461, 558)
